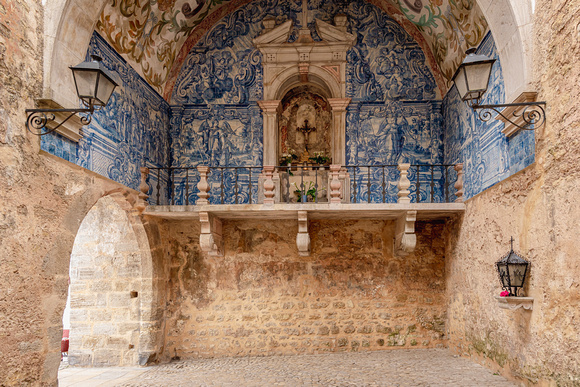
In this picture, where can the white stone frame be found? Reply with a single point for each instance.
(288, 65)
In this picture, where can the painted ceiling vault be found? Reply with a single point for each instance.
(155, 36)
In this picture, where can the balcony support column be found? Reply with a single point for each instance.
(405, 237)
(303, 238)
(210, 238)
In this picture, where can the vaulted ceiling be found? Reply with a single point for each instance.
(155, 36)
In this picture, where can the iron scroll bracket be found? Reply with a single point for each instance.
(40, 121)
(533, 114)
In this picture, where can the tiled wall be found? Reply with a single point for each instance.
(214, 119)
(394, 115)
(487, 155)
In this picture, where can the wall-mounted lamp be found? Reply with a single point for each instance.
(94, 85)
(471, 80)
(512, 270)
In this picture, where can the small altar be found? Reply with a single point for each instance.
(298, 181)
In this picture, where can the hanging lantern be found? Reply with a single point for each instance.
(512, 270)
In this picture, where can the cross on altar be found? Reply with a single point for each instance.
(305, 131)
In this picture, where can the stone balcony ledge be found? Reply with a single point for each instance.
(315, 210)
(211, 216)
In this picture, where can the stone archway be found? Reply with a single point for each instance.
(111, 290)
(75, 192)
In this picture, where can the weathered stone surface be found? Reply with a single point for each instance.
(540, 208)
(294, 301)
(105, 243)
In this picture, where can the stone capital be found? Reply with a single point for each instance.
(269, 106)
(339, 104)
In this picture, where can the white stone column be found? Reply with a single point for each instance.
(270, 141)
(202, 186)
(338, 106)
(404, 184)
(335, 184)
(459, 183)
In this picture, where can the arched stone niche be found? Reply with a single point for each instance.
(320, 65)
(305, 105)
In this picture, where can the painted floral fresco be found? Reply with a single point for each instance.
(130, 132)
(450, 27)
(488, 156)
(150, 35)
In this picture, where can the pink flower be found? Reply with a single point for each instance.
(505, 293)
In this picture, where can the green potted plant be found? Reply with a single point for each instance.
(320, 158)
(306, 195)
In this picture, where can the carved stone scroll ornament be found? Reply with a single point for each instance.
(210, 238)
(405, 238)
(303, 238)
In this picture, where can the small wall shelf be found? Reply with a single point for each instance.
(513, 303)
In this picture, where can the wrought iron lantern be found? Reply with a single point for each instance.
(94, 85)
(472, 79)
(512, 270)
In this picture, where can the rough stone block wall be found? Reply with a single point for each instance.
(540, 208)
(262, 298)
(105, 288)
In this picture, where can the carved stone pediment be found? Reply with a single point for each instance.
(276, 35)
(330, 33)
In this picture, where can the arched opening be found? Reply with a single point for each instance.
(110, 285)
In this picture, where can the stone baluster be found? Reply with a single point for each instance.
(335, 184)
(459, 183)
(144, 188)
(269, 186)
(202, 186)
(404, 184)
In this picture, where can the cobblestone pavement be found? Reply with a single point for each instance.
(433, 367)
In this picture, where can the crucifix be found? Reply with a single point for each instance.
(305, 131)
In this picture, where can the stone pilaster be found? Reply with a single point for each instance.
(270, 113)
(338, 106)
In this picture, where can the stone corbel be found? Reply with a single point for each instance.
(303, 238)
(514, 303)
(405, 238)
(210, 238)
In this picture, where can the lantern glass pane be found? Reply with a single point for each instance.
(104, 90)
(517, 272)
(503, 275)
(85, 81)
(478, 76)
(461, 82)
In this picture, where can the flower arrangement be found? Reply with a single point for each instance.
(288, 157)
(505, 293)
(309, 191)
(320, 158)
